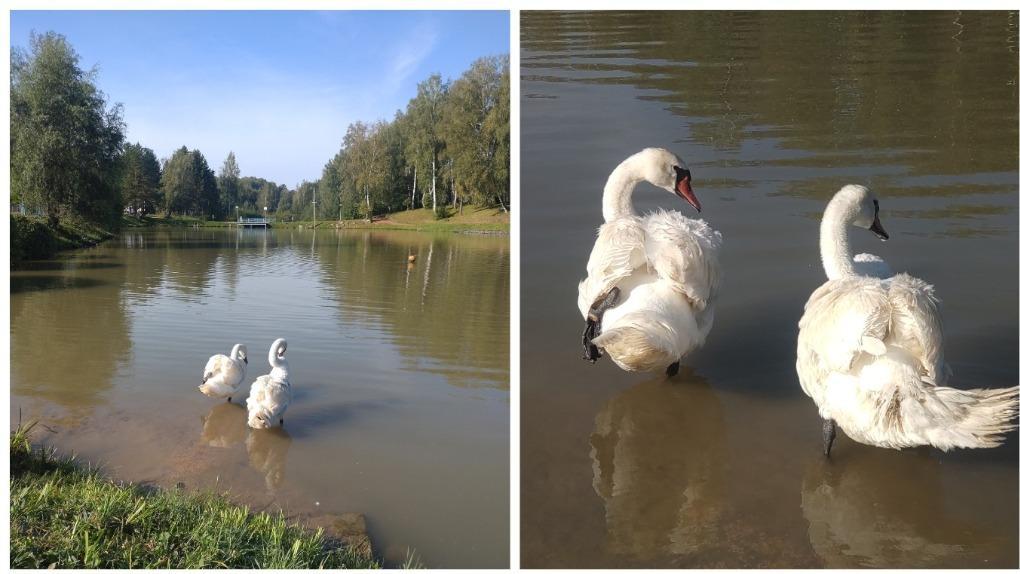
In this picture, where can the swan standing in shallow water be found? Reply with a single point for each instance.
(270, 394)
(650, 293)
(223, 375)
(870, 352)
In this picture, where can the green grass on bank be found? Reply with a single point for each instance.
(472, 218)
(33, 238)
(64, 516)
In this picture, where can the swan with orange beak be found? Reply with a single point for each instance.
(649, 297)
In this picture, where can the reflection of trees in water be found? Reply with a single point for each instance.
(880, 508)
(450, 306)
(188, 261)
(225, 425)
(905, 94)
(267, 453)
(657, 455)
(68, 343)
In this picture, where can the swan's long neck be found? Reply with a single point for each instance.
(835, 242)
(616, 201)
(275, 359)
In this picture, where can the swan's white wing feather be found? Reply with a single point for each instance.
(842, 319)
(917, 324)
(221, 376)
(216, 366)
(268, 400)
(618, 251)
(685, 252)
(871, 266)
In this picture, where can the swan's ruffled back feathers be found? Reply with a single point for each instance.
(838, 317)
(685, 252)
(871, 266)
(893, 398)
(668, 271)
(619, 249)
(221, 376)
(267, 401)
(917, 324)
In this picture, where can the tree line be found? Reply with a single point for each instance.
(450, 146)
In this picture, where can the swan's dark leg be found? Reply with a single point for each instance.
(593, 326)
(228, 399)
(828, 435)
(673, 369)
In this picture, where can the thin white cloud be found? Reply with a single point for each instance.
(410, 53)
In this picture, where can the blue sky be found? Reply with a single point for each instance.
(277, 88)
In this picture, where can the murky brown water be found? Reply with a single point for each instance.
(722, 465)
(400, 374)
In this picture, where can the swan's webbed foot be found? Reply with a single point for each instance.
(828, 435)
(673, 369)
(593, 325)
(591, 350)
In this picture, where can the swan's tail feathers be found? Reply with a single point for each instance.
(259, 420)
(633, 350)
(982, 417)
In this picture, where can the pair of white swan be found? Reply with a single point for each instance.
(870, 345)
(270, 395)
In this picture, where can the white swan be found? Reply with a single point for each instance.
(223, 375)
(270, 394)
(652, 280)
(870, 352)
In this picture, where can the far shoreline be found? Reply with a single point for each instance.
(32, 239)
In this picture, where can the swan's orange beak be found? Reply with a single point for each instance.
(683, 189)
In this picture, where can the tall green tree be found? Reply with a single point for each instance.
(475, 127)
(425, 113)
(189, 186)
(330, 186)
(139, 179)
(229, 184)
(177, 177)
(65, 140)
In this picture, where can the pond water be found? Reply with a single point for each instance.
(721, 466)
(400, 374)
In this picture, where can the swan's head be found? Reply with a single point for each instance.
(860, 207)
(240, 352)
(277, 349)
(664, 169)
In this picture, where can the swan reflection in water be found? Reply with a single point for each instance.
(873, 507)
(657, 455)
(267, 453)
(225, 425)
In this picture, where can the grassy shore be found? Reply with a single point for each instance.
(65, 516)
(473, 219)
(33, 238)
